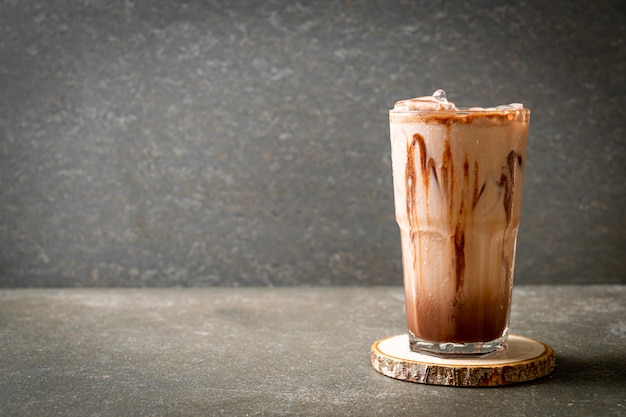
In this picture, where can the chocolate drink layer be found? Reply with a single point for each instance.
(458, 177)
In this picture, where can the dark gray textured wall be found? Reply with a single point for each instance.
(159, 143)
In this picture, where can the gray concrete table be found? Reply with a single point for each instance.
(283, 351)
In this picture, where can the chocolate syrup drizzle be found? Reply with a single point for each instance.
(507, 180)
(428, 167)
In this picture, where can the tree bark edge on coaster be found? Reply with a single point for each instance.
(525, 359)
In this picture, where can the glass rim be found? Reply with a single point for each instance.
(462, 111)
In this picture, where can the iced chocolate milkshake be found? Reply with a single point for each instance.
(457, 177)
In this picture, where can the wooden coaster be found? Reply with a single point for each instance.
(525, 359)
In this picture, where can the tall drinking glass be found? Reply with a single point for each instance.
(458, 176)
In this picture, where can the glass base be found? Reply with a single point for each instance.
(447, 349)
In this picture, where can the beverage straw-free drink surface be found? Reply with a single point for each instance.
(458, 177)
